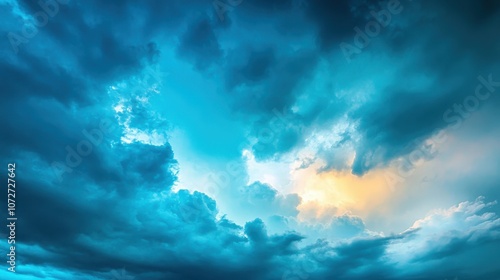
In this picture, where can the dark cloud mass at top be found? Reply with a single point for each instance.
(278, 68)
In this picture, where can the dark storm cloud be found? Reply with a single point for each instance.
(446, 49)
(108, 55)
(199, 44)
(398, 126)
(255, 67)
(80, 231)
(82, 54)
(268, 86)
(413, 108)
(265, 78)
(335, 20)
(278, 90)
(70, 60)
(271, 7)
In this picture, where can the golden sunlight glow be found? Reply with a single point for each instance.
(342, 191)
(328, 194)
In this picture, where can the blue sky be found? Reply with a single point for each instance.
(238, 139)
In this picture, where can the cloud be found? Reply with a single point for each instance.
(456, 237)
(390, 113)
(463, 226)
(258, 200)
(199, 44)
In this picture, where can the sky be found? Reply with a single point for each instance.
(251, 139)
